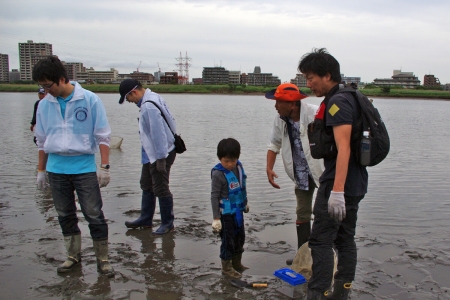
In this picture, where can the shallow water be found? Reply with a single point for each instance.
(403, 233)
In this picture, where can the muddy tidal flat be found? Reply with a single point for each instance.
(403, 232)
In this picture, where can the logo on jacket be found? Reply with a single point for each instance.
(234, 185)
(81, 113)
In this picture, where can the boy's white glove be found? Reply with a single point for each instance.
(336, 206)
(216, 226)
(103, 177)
(41, 180)
(247, 209)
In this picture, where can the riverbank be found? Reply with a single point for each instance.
(233, 90)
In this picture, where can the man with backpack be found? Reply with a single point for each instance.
(343, 184)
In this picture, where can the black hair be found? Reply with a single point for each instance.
(139, 85)
(50, 68)
(228, 148)
(320, 62)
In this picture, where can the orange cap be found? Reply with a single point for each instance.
(286, 92)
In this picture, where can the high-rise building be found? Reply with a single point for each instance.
(29, 54)
(4, 68)
(215, 75)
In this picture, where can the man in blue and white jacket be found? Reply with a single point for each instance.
(71, 126)
(156, 128)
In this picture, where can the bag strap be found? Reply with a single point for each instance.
(162, 114)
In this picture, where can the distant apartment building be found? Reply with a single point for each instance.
(14, 75)
(262, 79)
(403, 79)
(142, 77)
(29, 54)
(234, 77)
(446, 87)
(103, 76)
(197, 80)
(299, 80)
(157, 75)
(90, 75)
(169, 78)
(348, 80)
(431, 81)
(215, 75)
(4, 68)
(244, 78)
(73, 69)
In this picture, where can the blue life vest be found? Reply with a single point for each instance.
(237, 193)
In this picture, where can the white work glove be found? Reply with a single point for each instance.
(247, 209)
(216, 226)
(336, 206)
(103, 177)
(41, 180)
(161, 165)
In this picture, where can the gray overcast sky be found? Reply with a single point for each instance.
(369, 38)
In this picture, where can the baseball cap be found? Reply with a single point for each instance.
(41, 91)
(127, 86)
(286, 92)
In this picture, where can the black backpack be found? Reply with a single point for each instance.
(321, 138)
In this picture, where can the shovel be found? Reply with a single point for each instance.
(242, 284)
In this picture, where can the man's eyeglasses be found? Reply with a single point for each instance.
(46, 86)
(126, 95)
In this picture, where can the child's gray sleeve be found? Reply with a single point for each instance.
(218, 183)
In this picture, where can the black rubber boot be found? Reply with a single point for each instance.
(317, 295)
(147, 211)
(303, 233)
(167, 216)
(341, 289)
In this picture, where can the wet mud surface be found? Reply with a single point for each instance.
(184, 264)
(403, 232)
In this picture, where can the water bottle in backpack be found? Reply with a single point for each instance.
(365, 149)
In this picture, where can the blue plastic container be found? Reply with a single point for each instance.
(290, 276)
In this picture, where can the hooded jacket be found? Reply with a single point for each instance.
(156, 138)
(279, 140)
(81, 131)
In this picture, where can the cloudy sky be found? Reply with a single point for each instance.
(369, 38)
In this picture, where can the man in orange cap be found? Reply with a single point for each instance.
(289, 135)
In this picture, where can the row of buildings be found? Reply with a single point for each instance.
(30, 53)
(407, 80)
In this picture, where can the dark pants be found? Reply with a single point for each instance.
(157, 182)
(233, 237)
(327, 233)
(304, 202)
(88, 192)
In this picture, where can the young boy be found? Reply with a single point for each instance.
(228, 201)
